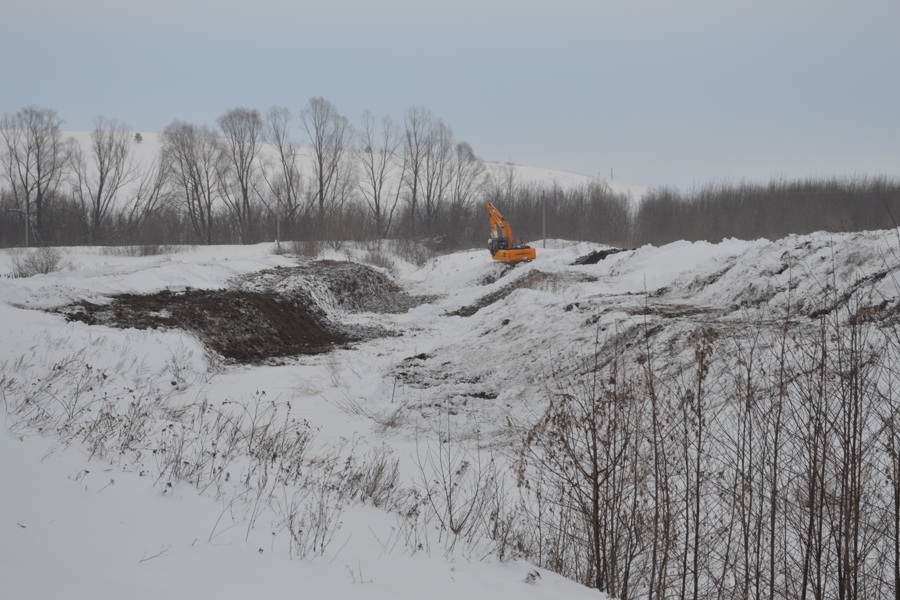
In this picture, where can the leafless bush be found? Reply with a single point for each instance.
(375, 478)
(357, 407)
(379, 259)
(412, 251)
(306, 248)
(250, 449)
(38, 261)
(144, 250)
(456, 482)
(279, 249)
(754, 465)
(584, 462)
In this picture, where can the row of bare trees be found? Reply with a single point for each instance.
(41, 170)
(249, 180)
(231, 183)
(762, 463)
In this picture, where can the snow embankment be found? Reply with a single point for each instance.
(111, 526)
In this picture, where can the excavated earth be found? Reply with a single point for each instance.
(282, 312)
(533, 280)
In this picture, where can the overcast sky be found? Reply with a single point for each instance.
(661, 91)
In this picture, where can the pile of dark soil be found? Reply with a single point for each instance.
(246, 327)
(269, 314)
(596, 256)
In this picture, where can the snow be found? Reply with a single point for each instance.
(97, 528)
(146, 151)
(526, 175)
(77, 535)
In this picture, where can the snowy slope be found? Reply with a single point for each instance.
(526, 175)
(145, 152)
(106, 527)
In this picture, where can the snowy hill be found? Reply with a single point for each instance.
(146, 151)
(112, 514)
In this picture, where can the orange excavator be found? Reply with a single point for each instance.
(501, 242)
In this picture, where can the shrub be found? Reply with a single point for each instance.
(279, 249)
(379, 259)
(143, 250)
(307, 248)
(26, 263)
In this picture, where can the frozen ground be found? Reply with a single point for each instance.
(85, 521)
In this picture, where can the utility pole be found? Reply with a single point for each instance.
(543, 219)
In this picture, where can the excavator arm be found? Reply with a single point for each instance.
(499, 227)
(501, 244)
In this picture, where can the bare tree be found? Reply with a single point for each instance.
(415, 141)
(469, 177)
(468, 183)
(283, 178)
(101, 176)
(243, 135)
(34, 162)
(437, 170)
(586, 452)
(146, 198)
(377, 154)
(330, 137)
(194, 159)
(693, 403)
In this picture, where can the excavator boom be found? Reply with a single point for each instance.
(501, 244)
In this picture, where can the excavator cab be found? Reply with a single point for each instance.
(497, 244)
(501, 244)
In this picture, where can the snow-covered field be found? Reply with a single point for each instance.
(86, 522)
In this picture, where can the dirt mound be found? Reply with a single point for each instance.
(335, 285)
(499, 271)
(246, 327)
(274, 313)
(596, 256)
(532, 280)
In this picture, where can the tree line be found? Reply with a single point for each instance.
(249, 180)
(244, 181)
(770, 210)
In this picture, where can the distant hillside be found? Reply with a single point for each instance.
(146, 150)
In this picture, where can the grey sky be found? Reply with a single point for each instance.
(661, 91)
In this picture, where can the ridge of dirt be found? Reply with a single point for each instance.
(344, 285)
(246, 327)
(499, 272)
(287, 311)
(532, 280)
(596, 256)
